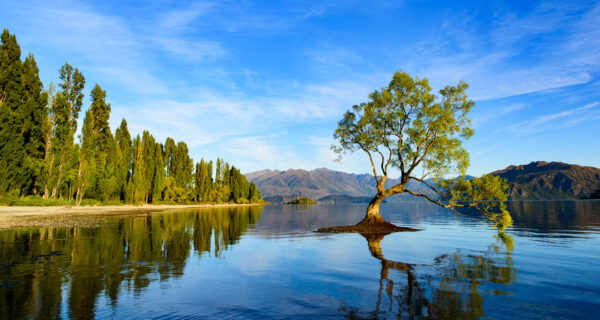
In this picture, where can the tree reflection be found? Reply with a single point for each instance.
(448, 290)
(130, 253)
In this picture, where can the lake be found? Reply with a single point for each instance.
(265, 262)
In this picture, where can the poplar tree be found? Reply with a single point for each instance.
(159, 173)
(218, 172)
(240, 190)
(65, 110)
(203, 180)
(103, 138)
(96, 167)
(87, 171)
(38, 153)
(183, 165)
(138, 180)
(36, 129)
(124, 159)
(12, 155)
(254, 194)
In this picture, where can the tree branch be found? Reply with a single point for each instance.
(372, 163)
(384, 171)
(427, 184)
(415, 164)
(447, 206)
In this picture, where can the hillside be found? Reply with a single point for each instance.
(276, 186)
(535, 181)
(550, 180)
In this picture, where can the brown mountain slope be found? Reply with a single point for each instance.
(316, 184)
(550, 180)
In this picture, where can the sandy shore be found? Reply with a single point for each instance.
(61, 216)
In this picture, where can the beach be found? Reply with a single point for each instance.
(65, 216)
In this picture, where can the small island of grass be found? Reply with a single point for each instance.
(303, 201)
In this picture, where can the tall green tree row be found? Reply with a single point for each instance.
(39, 154)
(23, 107)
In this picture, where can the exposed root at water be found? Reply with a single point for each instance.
(367, 227)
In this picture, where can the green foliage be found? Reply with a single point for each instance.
(203, 180)
(254, 194)
(112, 203)
(407, 127)
(87, 171)
(124, 155)
(90, 202)
(60, 167)
(22, 119)
(302, 201)
(38, 154)
(33, 201)
(12, 156)
(488, 194)
(35, 128)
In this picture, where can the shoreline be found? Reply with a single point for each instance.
(62, 216)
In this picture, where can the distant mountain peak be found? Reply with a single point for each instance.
(317, 183)
(550, 180)
(535, 180)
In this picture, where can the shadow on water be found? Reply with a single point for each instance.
(38, 267)
(451, 291)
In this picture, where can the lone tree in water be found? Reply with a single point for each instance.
(404, 126)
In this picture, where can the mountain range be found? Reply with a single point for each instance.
(535, 181)
(542, 180)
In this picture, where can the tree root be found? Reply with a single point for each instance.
(377, 227)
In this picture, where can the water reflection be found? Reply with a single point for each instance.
(449, 291)
(556, 216)
(255, 262)
(41, 266)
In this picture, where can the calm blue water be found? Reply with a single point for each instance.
(258, 263)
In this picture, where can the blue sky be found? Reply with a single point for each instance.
(262, 84)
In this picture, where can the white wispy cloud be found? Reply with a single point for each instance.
(555, 120)
(252, 150)
(218, 98)
(482, 117)
(559, 46)
(482, 151)
(191, 50)
(92, 41)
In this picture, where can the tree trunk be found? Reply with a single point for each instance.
(53, 194)
(373, 215)
(79, 195)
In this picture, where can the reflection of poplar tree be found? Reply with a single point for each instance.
(108, 261)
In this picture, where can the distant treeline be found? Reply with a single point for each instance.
(39, 156)
(303, 201)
